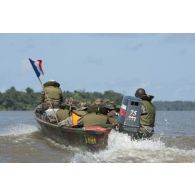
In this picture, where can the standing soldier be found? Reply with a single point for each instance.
(52, 94)
(148, 113)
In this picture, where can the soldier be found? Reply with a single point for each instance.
(72, 119)
(62, 113)
(148, 113)
(98, 116)
(51, 95)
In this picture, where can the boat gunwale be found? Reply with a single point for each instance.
(75, 130)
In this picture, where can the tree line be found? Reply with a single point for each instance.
(12, 99)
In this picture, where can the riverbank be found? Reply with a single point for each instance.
(13, 100)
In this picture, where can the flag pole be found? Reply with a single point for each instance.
(40, 82)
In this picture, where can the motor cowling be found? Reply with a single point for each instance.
(130, 112)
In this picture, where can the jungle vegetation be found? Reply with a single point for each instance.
(12, 99)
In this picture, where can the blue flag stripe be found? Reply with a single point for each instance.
(34, 67)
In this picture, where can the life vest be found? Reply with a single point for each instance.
(77, 115)
(75, 119)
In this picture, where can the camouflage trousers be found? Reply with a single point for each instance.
(143, 132)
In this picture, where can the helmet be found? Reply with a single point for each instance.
(51, 83)
(92, 108)
(99, 101)
(108, 106)
(106, 101)
(140, 93)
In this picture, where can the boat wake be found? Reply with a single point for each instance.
(121, 149)
(61, 146)
(18, 129)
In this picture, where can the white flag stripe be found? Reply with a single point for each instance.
(123, 107)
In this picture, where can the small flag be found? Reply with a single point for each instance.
(123, 110)
(37, 66)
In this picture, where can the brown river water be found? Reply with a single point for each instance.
(21, 141)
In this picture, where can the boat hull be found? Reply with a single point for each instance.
(85, 139)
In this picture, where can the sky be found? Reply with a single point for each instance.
(163, 64)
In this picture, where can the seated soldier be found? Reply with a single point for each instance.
(98, 116)
(62, 113)
(73, 119)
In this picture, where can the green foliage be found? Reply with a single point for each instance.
(12, 99)
(19, 100)
(113, 96)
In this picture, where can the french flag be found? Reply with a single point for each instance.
(123, 110)
(37, 66)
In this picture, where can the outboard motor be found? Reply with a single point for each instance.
(129, 116)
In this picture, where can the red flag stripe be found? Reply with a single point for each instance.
(40, 66)
(122, 112)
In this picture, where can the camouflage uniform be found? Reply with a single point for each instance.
(98, 115)
(71, 119)
(52, 94)
(62, 114)
(147, 120)
(93, 119)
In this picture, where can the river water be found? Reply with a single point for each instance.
(174, 141)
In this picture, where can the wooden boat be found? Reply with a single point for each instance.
(93, 138)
